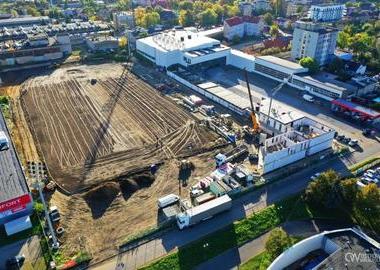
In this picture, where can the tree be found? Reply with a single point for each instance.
(310, 63)
(186, 18)
(123, 5)
(219, 10)
(232, 10)
(274, 30)
(123, 42)
(139, 16)
(324, 190)
(336, 65)
(55, 13)
(208, 17)
(349, 190)
(151, 18)
(33, 11)
(186, 5)
(268, 18)
(278, 241)
(343, 40)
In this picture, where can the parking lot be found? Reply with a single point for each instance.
(320, 110)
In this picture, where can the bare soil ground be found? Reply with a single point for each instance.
(102, 218)
(94, 137)
(92, 133)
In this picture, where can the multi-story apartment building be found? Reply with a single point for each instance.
(123, 20)
(314, 40)
(326, 12)
(261, 5)
(242, 26)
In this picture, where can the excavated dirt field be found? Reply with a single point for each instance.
(94, 137)
(92, 133)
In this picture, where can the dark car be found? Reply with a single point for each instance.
(15, 262)
(367, 132)
(340, 137)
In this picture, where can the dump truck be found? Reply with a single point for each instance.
(204, 211)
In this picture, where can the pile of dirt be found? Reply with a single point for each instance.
(131, 185)
(101, 197)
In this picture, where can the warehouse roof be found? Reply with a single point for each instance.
(23, 21)
(12, 178)
(179, 40)
(282, 62)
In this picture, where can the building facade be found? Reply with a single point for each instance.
(36, 49)
(326, 13)
(295, 137)
(123, 20)
(261, 5)
(314, 40)
(242, 26)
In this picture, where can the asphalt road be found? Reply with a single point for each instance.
(242, 207)
(30, 247)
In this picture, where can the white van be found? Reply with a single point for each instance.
(167, 200)
(308, 98)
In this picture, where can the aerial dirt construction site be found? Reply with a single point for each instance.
(99, 129)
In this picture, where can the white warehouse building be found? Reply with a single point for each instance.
(294, 137)
(181, 47)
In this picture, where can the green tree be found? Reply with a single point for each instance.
(33, 11)
(55, 13)
(336, 65)
(310, 63)
(232, 10)
(324, 190)
(278, 241)
(208, 17)
(268, 18)
(151, 18)
(367, 207)
(274, 30)
(343, 40)
(186, 5)
(186, 18)
(139, 16)
(122, 5)
(349, 190)
(219, 10)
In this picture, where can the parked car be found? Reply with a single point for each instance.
(368, 132)
(340, 137)
(308, 98)
(315, 176)
(353, 143)
(362, 182)
(347, 140)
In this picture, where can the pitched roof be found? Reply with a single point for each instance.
(234, 21)
(251, 19)
(239, 20)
